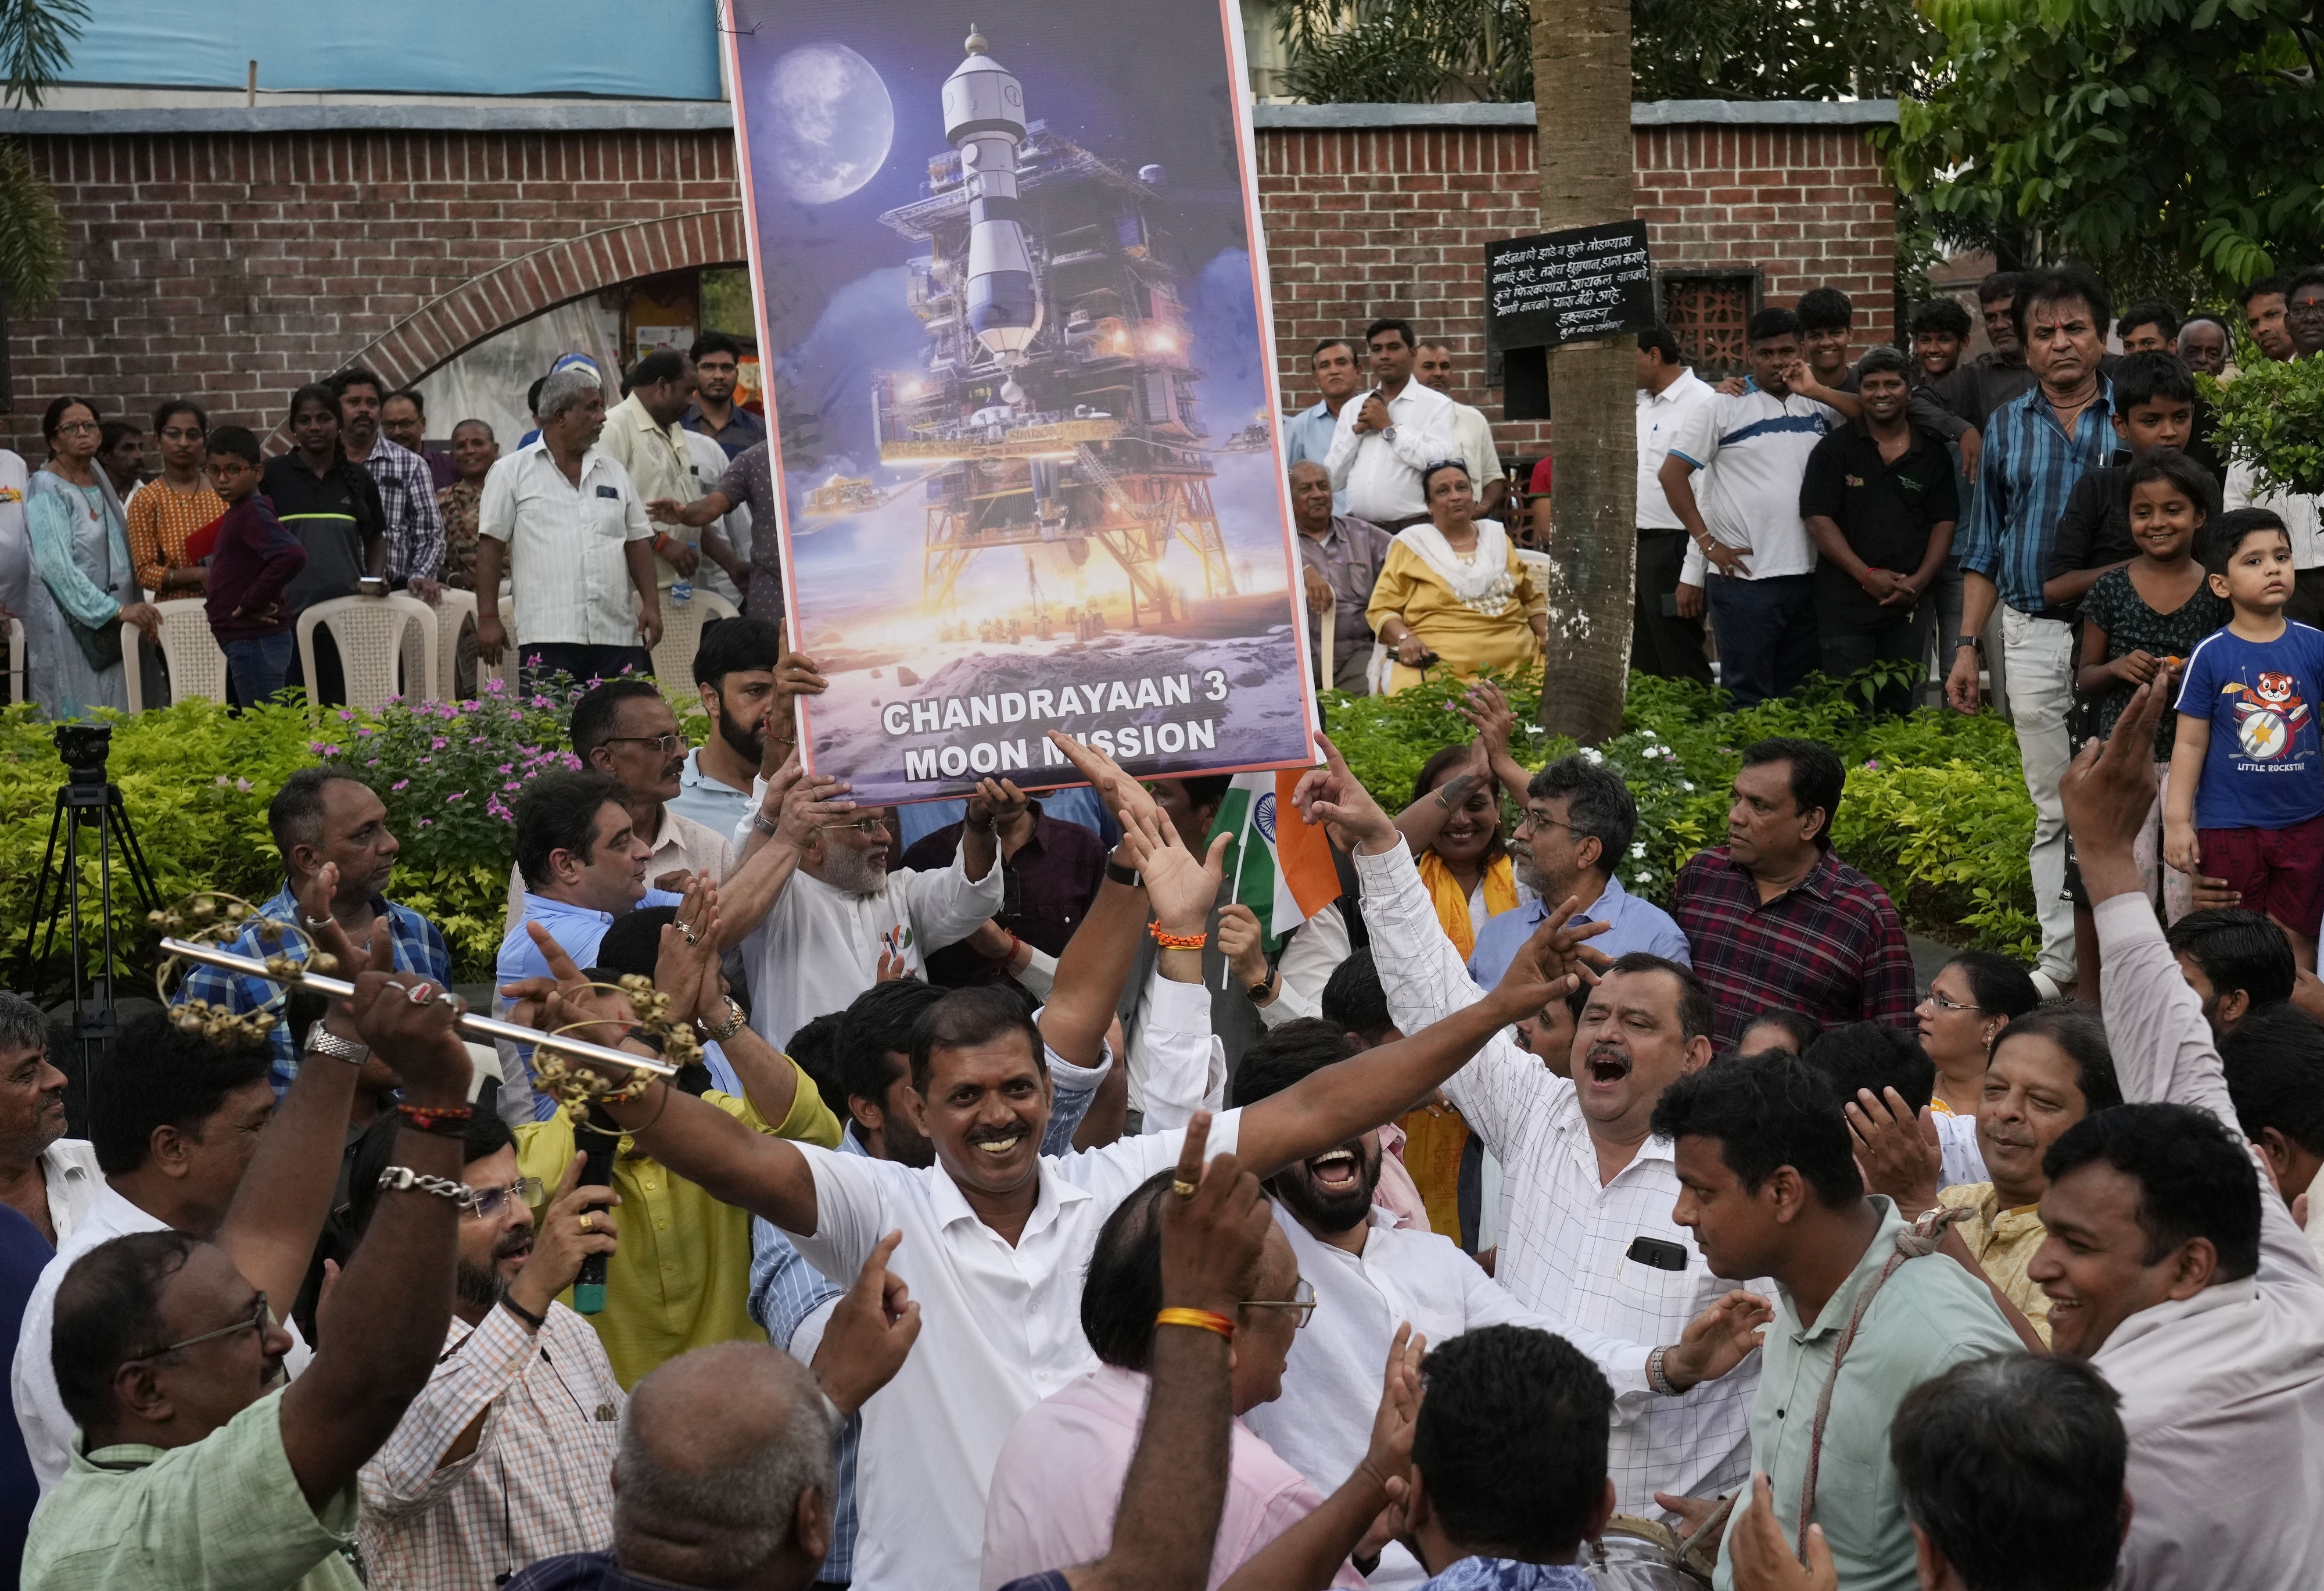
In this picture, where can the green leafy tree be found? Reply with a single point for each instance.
(1434, 50)
(36, 39)
(2177, 145)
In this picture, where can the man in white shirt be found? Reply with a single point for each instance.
(1745, 520)
(1385, 437)
(624, 730)
(1664, 640)
(1590, 1243)
(820, 914)
(2169, 1262)
(191, 1140)
(995, 1235)
(1371, 1275)
(51, 1180)
(643, 437)
(567, 523)
(1472, 435)
(1307, 435)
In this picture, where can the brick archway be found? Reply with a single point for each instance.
(518, 289)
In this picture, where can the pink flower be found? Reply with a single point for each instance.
(513, 785)
(400, 784)
(428, 823)
(503, 768)
(455, 796)
(345, 716)
(437, 743)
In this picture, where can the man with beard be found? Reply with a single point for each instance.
(1371, 1275)
(1578, 820)
(503, 1458)
(622, 728)
(747, 680)
(820, 915)
(1589, 1243)
(407, 490)
(995, 1234)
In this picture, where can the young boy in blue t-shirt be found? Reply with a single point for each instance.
(2247, 800)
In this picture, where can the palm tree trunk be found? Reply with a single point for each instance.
(1581, 94)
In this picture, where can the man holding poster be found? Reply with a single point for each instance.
(1019, 320)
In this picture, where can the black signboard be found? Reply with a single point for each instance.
(1559, 287)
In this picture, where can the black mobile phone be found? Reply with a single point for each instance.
(1658, 1251)
(1670, 605)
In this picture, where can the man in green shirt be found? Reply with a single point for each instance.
(196, 1467)
(1769, 1182)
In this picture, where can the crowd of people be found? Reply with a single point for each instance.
(1015, 1213)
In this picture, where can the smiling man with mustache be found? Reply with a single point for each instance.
(48, 1177)
(1590, 1243)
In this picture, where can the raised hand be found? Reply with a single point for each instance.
(1488, 712)
(2109, 791)
(1181, 885)
(1719, 1339)
(871, 1334)
(689, 947)
(416, 1037)
(814, 800)
(995, 803)
(1333, 795)
(1242, 944)
(559, 1244)
(1900, 1156)
(1210, 1237)
(1120, 792)
(1552, 964)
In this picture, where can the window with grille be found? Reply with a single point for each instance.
(1707, 311)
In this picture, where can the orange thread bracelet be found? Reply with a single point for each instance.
(1176, 941)
(1202, 1318)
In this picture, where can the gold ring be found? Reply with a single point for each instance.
(588, 1221)
(1182, 1187)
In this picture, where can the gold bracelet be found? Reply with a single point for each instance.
(1202, 1318)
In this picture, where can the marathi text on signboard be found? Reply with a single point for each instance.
(1558, 287)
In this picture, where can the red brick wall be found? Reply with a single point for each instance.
(233, 267)
(1394, 221)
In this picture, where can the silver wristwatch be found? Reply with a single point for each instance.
(323, 1041)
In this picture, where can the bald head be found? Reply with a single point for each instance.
(725, 1474)
(1311, 497)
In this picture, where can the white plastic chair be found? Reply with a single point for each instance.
(372, 633)
(197, 665)
(454, 611)
(682, 624)
(15, 659)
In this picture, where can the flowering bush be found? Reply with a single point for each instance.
(1935, 810)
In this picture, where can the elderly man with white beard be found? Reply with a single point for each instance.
(1369, 1273)
(1590, 1241)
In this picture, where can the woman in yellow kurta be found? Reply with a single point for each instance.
(1456, 589)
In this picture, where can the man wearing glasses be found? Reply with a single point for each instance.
(624, 728)
(501, 1459)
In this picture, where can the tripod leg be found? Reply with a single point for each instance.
(27, 961)
(141, 876)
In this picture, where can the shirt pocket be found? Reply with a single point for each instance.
(1654, 1291)
(606, 517)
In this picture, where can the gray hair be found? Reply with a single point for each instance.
(567, 388)
(730, 1518)
(22, 1024)
(1601, 808)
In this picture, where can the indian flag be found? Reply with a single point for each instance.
(1282, 869)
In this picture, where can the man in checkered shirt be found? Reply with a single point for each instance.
(1589, 1242)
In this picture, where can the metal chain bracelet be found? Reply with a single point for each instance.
(396, 1178)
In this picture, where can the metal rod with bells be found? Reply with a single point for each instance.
(476, 1027)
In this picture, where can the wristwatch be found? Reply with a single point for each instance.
(323, 1041)
(1117, 874)
(1388, 433)
(1257, 991)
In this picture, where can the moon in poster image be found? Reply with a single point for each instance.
(834, 123)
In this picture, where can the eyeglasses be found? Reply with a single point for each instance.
(664, 743)
(861, 825)
(1533, 819)
(261, 1318)
(489, 1201)
(1302, 1298)
(1431, 468)
(73, 427)
(1942, 1003)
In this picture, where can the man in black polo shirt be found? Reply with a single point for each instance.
(1878, 499)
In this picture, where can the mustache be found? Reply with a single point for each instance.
(982, 1133)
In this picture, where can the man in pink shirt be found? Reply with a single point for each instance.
(1059, 1479)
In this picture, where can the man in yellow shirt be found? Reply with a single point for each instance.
(682, 1278)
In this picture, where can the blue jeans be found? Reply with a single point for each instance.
(1767, 633)
(257, 668)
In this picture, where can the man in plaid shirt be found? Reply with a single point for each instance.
(1779, 922)
(407, 490)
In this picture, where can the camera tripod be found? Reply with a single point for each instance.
(87, 800)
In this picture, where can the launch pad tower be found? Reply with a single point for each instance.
(1056, 397)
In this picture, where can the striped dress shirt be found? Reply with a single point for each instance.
(2025, 472)
(1565, 1253)
(415, 521)
(535, 1487)
(568, 574)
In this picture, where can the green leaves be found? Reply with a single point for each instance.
(1936, 811)
(2140, 134)
(2272, 417)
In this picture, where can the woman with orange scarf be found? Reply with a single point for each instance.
(1453, 827)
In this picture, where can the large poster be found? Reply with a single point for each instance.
(1012, 299)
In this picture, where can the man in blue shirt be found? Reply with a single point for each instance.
(1577, 827)
(717, 360)
(2035, 447)
(319, 817)
(584, 866)
(1307, 435)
